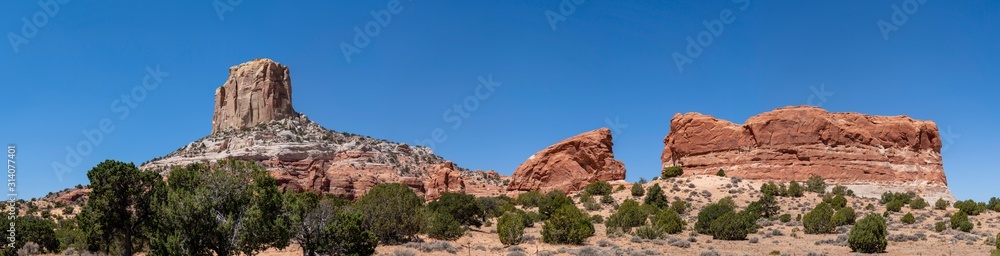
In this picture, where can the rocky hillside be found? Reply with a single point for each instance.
(870, 154)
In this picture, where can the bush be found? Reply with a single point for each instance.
(970, 207)
(897, 196)
(389, 212)
(530, 199)
(529, 218)
(958, 218)
(628, 216)
(815, 183)
(940, 226)
(838, 202)
(721, 173)
(620, 188)
(994, 204)
(794, 189)
(673, 171)
(709, 214)
(841, 191)
(567, 225)
(844, 216)
(443, 226)
(908, 219)
(730, 226)
(347, 234)
(941, 204)
(770, 189)
(655, 197)
(818, 221)
(679, 206)
(596, 219)
(552, 201)
(648, 232)
(785, 218)
(510, 228)
(894, 206)
(868, 235)
(669, 221)
(918, 203)
(461, 207)
(766, 207)
(965, 226)
(589, 202)
(607, 199)
(598, 188)
(637, 190)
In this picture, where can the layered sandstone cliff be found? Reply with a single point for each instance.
(256, 92)
(870, 154)
(570, 164)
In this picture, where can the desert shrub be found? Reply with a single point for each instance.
(462, 207)
(655, 197)
(841, 191)
(785, 218)
(672, 171)
(709, 214)
(970, 207)
(940, 226)
(918, 203)
(567, 225)
(389, 212)
(768, 207)
(894, 206)
(815, 183)
(843, 216)
(868, 235)
(620, 188)
(648, 232)
(596, 218)
(669, 221)
(794, 189)
(818, 221)
(637, 190)
(628, 216)
(994, 204)
(510, 228)
(598, 188)
(589, 202)
(730, 226)
(720, 173)
(679, 206)
(770, 189)
(529, 218)
(838, 202)
(443, 226)
(965, 226)
(552, 201)
(607, 199)
(897, 196)
(941, 204)
(530, 199)
(958, 218)
(908, 219)
(997, 242)
(649, 209)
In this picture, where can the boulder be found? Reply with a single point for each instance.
(570, 164)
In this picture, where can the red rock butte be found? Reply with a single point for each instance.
(869, 154)
(256, 92)
(570, 164)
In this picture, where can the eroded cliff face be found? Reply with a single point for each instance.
(870, 154)
(256, 92)
(570, 164)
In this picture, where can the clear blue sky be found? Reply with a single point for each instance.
(605, 60)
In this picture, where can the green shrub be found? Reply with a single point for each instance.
(838, 202)
(918, 203)
(721, 173)
(648, 232)
(669, 221)
(994, 204)
(510, 228)
(843, 216)
(730, 226)
(607, 199)
(941, 204)
(940, 226)
(766, 207)
(598, 188)
(868, 235)
(655, 197)
(649, 209)
(709, 214)
(530, 199)
(970, 207)
(389, 212)
(567, 225)
(897, 196)
(552, 201)
(908, 219)
(679, 206)
(596, 219)
(786, 218)
(818, 221)
(528, 219)
(347, 234)
(770, 189)
(620, 188)
(443, 226)
(461, 207)
(628, 216)
(965, 226)
(841, 191)
(589, 203)
(637, 190)
(815, 183)
(794, 189)
(894, 206)
(673, 171)
(997, 242)
(958, 218)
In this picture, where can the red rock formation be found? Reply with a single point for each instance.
(256, 92)
(895, 153)
(570, 164)
(444, 178)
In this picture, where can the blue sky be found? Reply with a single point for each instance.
(602, 60)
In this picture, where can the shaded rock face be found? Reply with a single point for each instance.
(255, 92)
(444, 178)
(871, 154)
(570, 164)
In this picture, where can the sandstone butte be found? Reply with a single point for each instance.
(254, 120)
(869, 154)
(570, 164)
